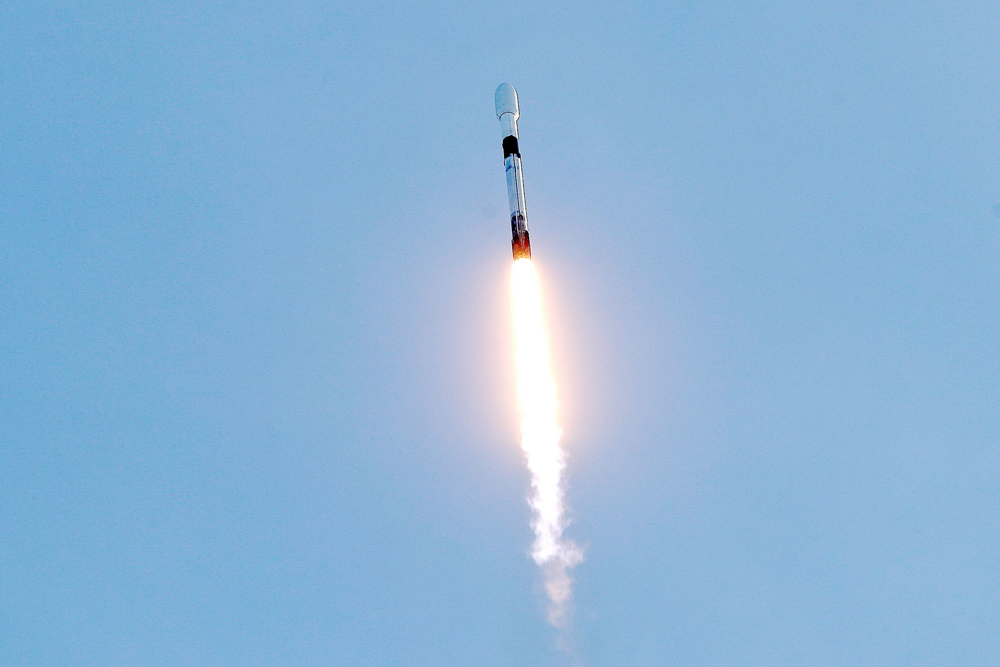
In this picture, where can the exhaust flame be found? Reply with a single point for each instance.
(540, 435)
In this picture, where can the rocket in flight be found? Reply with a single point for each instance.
(507, 111)
(540, 431)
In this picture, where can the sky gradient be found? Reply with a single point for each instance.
(257, 401)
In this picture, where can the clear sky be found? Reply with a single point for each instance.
(256, 390)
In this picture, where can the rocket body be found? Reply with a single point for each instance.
(508, 113)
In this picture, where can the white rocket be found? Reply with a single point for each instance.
(508, 113)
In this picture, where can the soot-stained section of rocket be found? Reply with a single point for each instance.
(508, 113)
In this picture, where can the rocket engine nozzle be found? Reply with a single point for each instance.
(521, 246)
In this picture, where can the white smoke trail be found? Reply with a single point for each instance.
(540, 435)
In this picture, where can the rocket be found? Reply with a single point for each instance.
(508, 113)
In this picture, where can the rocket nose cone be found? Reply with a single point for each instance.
(506, 100)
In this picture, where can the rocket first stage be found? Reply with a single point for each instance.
(507, 112)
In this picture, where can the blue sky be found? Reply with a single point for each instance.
(256, 391)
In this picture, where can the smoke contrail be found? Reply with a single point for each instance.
(540, 435)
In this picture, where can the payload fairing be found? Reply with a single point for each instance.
(508, 113)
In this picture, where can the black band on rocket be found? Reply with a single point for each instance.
(510, 146)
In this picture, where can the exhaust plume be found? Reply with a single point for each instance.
(540, 435)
